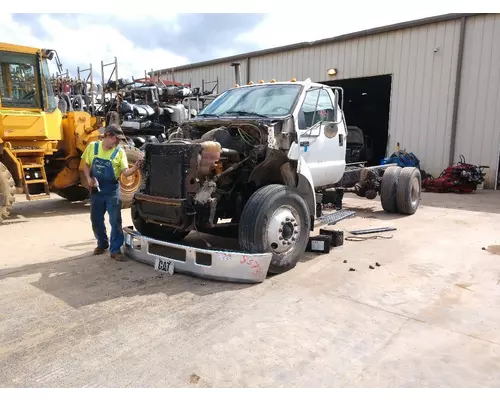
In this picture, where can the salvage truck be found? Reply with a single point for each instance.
(260, 159)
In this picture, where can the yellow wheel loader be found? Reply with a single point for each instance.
(40, 146)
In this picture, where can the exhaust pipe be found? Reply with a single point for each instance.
(237, 75)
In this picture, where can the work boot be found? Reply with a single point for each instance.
(99, 251)
(118, 257)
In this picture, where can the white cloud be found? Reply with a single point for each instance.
(85, 43)
(281, 29)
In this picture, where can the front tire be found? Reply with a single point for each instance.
(275, 220)
(7, 192)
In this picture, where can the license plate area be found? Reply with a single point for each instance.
(165, 265)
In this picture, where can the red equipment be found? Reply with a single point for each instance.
(460, 178)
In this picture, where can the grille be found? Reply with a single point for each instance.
(168, 166)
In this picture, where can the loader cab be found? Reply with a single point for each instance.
(25, 79)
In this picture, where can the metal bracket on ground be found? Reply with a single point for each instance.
(333, 218)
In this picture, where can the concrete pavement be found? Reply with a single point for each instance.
(427, 317)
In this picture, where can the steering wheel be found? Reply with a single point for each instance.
(29, 95)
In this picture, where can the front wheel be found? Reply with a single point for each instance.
(275, 220)
(7, 192)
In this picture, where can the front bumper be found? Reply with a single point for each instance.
(220, 265)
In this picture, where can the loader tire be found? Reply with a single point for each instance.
(275, 220)
(409, 190)
(7, 192)
(155, 231)
(130, 184)
(74, 193)
(388, 189)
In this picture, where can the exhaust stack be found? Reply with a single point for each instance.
(237, 74)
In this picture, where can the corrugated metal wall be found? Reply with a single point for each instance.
(422, 61)
(478, 130)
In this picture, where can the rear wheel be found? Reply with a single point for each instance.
(74, 193)
(276, 220)
(7, 192)
(153, 230)
(409, 190)
(130, 184)
(388, 189)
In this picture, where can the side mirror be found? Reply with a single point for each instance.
(331, 129)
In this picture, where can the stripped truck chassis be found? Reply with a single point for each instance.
(266, 157)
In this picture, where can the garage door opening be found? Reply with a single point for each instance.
(366, 106)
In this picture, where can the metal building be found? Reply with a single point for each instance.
(431, 85)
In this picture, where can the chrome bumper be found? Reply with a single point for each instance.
(221, 265)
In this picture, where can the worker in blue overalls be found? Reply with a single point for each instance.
(105, 161)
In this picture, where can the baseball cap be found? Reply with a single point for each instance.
(115, 130)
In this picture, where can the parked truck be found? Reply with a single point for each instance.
(263, 157)
(40, 145)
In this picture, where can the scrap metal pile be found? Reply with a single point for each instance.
(147, 109)
(461, 177)
(150, 108)
(72, 94)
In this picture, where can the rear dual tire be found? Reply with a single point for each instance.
(400, 190)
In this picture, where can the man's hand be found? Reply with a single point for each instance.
(138, 165)
(129, 171)
(90, 181)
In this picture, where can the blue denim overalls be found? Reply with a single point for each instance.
(108, 199)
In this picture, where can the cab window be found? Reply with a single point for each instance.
(18, 83)
(317, 107)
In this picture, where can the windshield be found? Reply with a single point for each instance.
(18, 83)
(272, 100)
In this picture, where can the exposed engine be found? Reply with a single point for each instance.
(205, 173)
(461, 177)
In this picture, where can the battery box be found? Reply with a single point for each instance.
(319, 244)
(336, 236)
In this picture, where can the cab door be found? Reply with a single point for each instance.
(321, 133)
